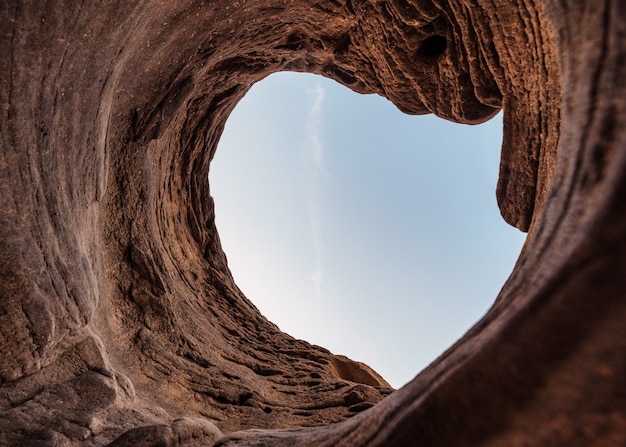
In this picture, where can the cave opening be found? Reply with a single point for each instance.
(344, 220)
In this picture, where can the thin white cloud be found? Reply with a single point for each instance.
(316, 170)
(315, 114)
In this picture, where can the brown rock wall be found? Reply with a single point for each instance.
(120, 322)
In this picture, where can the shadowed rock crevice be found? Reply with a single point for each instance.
(120, 321)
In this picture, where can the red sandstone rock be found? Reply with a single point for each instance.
(120, 322)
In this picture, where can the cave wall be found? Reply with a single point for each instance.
(120, 321)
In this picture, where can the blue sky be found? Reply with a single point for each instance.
(358, 228)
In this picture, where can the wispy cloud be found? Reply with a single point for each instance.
(316, 171)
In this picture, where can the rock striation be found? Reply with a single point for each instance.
(120, 322)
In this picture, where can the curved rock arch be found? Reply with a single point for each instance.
(120, 322)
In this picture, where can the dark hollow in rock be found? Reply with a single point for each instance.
(120, 322)
(433, 46)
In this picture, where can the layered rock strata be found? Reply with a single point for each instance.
(120, 322)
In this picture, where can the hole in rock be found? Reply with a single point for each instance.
(433, 46)
(358, 228)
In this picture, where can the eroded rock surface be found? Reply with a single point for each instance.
(120, 322)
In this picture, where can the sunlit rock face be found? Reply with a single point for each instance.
(121, 324)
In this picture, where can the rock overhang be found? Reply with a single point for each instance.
(121, 319)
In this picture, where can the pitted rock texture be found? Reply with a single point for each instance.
(121, 324)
